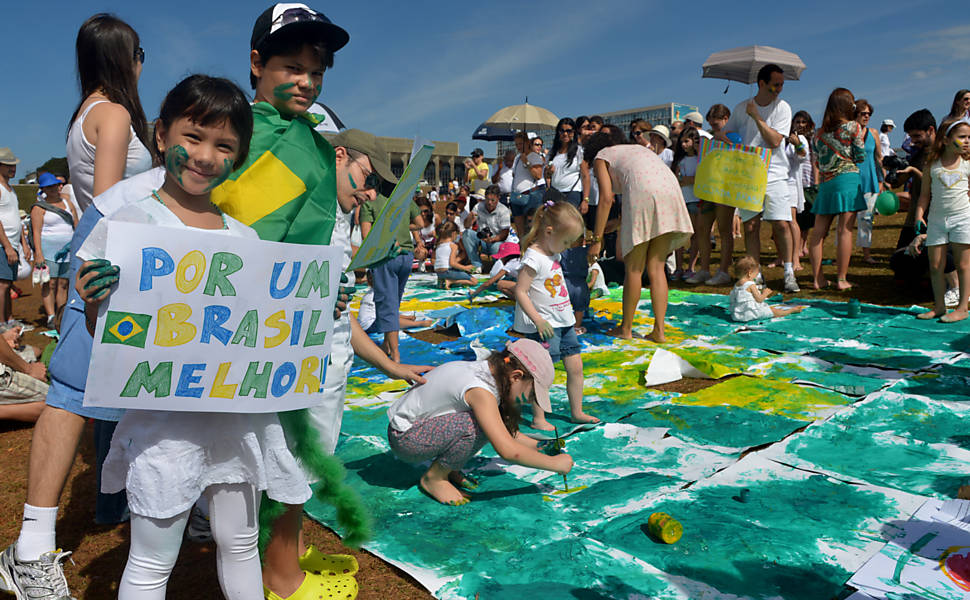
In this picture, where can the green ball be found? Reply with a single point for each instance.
(887, 203)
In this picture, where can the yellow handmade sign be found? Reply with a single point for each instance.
(732, 174)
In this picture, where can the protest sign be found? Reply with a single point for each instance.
(378, 243)
(732, 174)
(212, 323)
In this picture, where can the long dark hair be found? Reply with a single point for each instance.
(679, 152)
(502, 364)
(839, 109)
(573, 146)
(809, 123)
(209, 101)
(956, 110)
(106, 48)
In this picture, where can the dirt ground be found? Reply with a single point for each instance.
(100, 552)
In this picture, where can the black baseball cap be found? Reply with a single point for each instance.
(293, 16)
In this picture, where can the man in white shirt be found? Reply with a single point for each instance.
(694, 120)
(10, 230)
(494, 221)
(765, 121)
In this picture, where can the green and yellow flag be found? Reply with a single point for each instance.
(287, 189)
(129, 329)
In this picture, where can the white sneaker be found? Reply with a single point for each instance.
(45, 274)
(699, 277)
(791, 284)
(41, 579)
(35, 276)
(720, 278)
(952, 297)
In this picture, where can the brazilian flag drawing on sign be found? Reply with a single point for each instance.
(129, 329)
(287, 188)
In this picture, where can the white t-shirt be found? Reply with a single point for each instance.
(522, 180)
(566, 175)
(497, 220)
(10, 217)
(884, 146)
(688, 168)
(547, 292)
(505, 180)
(511, 267)
(948, 189)
(443, 394)
(778, 116)
(667, 155)
(367, 313)
(433, 196)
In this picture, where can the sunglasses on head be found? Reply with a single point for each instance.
(140, 55)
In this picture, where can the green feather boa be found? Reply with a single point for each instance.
(331, 488)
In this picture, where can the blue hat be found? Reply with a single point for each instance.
(47, 179)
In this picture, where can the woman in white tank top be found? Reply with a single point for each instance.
(108, 131)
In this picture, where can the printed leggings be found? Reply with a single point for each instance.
(155, 545)
(449, 439)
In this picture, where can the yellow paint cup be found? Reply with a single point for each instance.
(664, 528)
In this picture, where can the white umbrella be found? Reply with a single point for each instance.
(519, 116)
(743, 64)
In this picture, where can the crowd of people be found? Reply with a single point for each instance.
(551, 227)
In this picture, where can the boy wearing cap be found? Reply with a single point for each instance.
(296, 187)
(11, 233)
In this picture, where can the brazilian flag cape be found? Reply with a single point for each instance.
(287, 188)
(287, 191)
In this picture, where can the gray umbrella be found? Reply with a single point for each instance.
(742, 64)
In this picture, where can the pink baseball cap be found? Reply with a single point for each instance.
(507, 249)
(537, 361)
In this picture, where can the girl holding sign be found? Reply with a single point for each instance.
(167, 460)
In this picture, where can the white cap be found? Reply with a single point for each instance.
(888, 122)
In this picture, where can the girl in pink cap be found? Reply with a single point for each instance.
(462, 406)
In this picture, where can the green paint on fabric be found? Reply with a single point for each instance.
(222, 176)
(719, 425)
(766, 547)
(887, 460)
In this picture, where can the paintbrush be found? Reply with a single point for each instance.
(565, 484)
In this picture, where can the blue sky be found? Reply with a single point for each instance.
(437, 69)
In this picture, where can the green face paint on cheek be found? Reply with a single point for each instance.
(176, 158)
(280, 92)
(224, 175)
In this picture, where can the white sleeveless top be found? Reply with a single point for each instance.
(442, 256)
(80, 159)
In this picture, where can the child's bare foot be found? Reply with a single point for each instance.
(542, 424)
(843, 285)
(932, 314)
(797, 266)
(777, 263)
(460, 480)
(447, 285)
(620, 333)
(442, 490)
(656, 336)
(821, 284)
(953, 317)
(584, 418)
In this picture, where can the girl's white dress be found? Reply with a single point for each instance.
(744, 307)
(165, 459)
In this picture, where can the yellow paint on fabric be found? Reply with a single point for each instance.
(766, 396)
(263, 188)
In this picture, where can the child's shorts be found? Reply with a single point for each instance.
(454, 275)
(564, 342)
(952, 229)
(700, 207)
